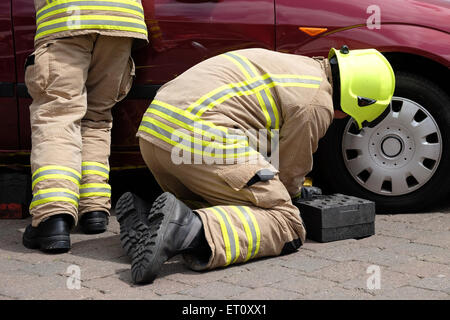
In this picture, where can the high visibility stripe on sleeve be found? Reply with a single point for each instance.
(55, 172)
(54, 195)
(191, 123)
(229, 234)
(83, 22)
(263, 96)
(250, 87)
(192, 144)
(95, 190)
(97, 168)
(93, 5)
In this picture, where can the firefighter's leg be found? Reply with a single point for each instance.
(56, 81)
(109, 80)
(242, 222)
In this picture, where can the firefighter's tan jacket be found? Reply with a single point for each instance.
(64, 18)
(206, 109)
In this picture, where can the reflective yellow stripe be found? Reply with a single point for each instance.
(57, 168)
(55, 172)
(97, 164)
(198, 123)
(89, 17)
(95, 190)
(250, 87)
(105, 22)
(255, 224)
(86, 8)
(235, 254)
(54, 195)
(96, 168)
(166, 133)
(58, 2)
(226, 239)
(264, 97)
(192, 139)
(247, 232)
(190, 116)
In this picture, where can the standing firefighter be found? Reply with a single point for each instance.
(193, 137)
(80, 69)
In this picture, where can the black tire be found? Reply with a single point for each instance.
(334, 176)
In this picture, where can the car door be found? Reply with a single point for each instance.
(183, 33)
(9, 138)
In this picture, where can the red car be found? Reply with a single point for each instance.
(402, 164)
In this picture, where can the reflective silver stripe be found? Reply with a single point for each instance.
(213, 100)
(78, 24)
(89, 3)
(89, 190)
(249, 87)
(230, 233)
(55, 171)
(94, 168)
(193, 145)
(197, 125)
(252, 230)
(264, 96)
(54, 194)
(242, 63)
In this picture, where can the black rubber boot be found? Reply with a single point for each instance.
(94, 222)
(172, 229)
(132, 214)
(51, 235)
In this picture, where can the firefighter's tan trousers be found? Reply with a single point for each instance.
(74, 83)
(240, 222)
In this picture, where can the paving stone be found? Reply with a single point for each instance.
(118, 287)
(303, 284)
(436, 223)
(177, 297)
(215, 290)
(440, 239)
(303, 262)
(344, 253)
(267, 293)
(423, 269)
(438, 283)
(397, 230)
(318, 246)
(342, 271)
(412, 293)
(423, 252)
(31, 286)
(261, 277)
(381, 242)
(389, 258)
(162, 286)
(337, 293)
(388, 280)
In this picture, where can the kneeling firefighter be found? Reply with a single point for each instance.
(80, 69)
(226, 202)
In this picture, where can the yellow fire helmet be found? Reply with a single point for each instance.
(367, 84)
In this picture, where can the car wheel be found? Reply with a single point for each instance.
(403, 164)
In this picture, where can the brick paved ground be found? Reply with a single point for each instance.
(411, 250)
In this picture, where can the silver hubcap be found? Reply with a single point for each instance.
(397, 156)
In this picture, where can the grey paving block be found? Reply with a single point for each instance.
(267, 293)
(342, 271)
(303, 285)
(303, 262)
(215, 290)
(338, 293)
(412, 293)
(438, 283)
(423, 269)
(260, 277)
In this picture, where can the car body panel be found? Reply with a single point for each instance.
(8, 104)
(189, 31)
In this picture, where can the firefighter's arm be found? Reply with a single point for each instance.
(299, 139)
